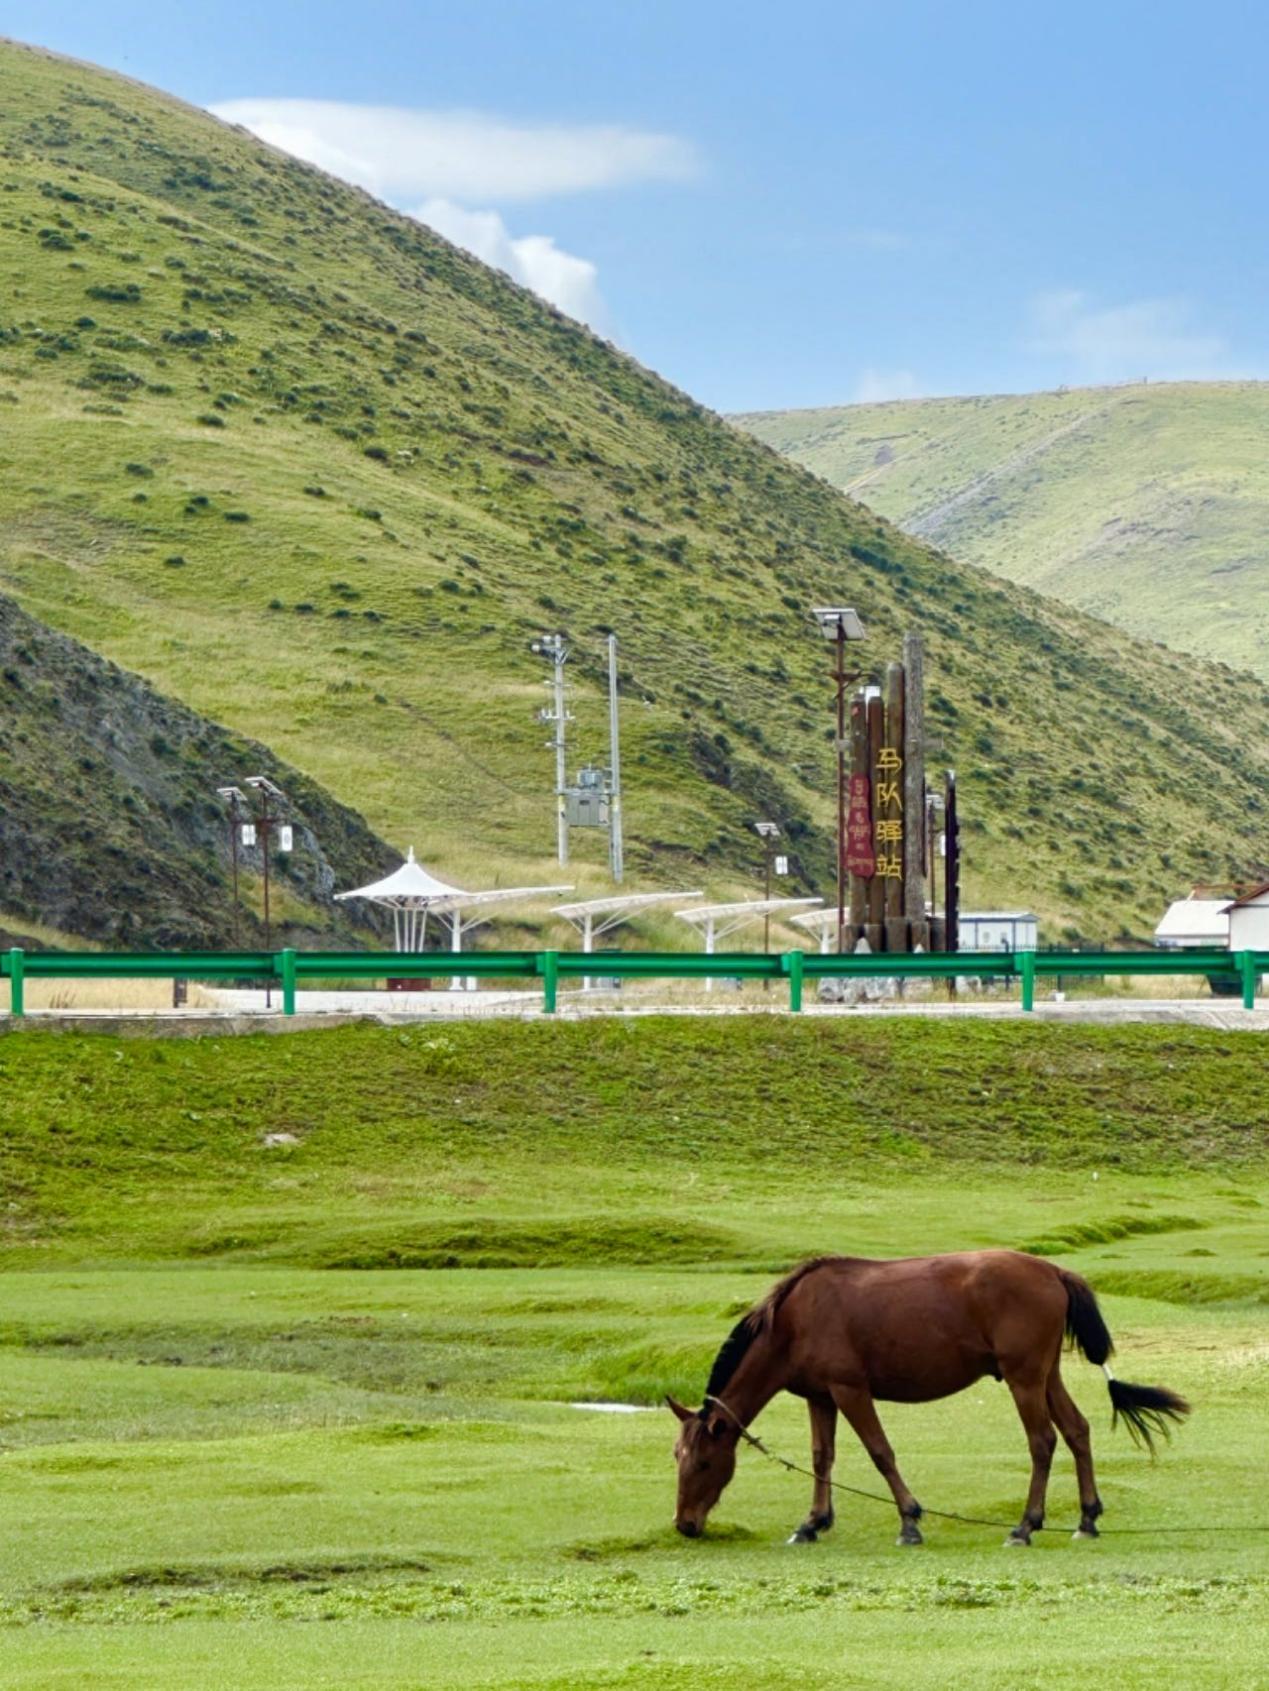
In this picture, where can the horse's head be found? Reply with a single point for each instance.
(705, 1451)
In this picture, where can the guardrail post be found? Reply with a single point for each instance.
(550, 980)
(1247, 969)
(288, 983)
(1026, 966)
(793, 962)
(17, 997)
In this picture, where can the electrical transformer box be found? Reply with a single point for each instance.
(586, 807)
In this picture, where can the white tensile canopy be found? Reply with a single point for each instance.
(719, 920)
(598, 916)
(413, 894)
(821, 922)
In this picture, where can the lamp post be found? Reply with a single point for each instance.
(839, 624)
(267, 794)
(235, 801)
(768, 833)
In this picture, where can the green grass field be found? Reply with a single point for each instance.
(248, 1388)
(1144, 504)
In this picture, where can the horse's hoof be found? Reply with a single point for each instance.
(1015, 1541)
(804, 1535)
(909, 1539)
(1084, 1532)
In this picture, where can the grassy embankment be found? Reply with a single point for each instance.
(241, 1392)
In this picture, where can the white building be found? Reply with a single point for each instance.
(1190, 922)
(997, 930)
(1248, 919)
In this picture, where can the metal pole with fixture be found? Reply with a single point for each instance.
(235, 799)
(555, 649)
(616, 857)
(266, 820)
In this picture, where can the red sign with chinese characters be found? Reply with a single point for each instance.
(860, 857)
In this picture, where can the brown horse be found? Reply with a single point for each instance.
(842, 1332)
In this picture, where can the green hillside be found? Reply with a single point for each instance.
(1147, 505)
(319, 475)
(110, 828)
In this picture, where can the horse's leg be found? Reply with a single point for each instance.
(1074, 1429)
(823, 1434)
(857, 1406)
(1030, 1396)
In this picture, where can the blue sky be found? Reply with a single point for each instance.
(787, 205)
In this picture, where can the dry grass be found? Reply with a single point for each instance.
(100, 994)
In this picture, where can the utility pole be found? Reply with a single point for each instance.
(616, 858)
(555, 649)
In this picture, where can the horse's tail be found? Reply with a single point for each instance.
(1146, 1410)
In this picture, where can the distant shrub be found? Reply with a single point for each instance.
(380, 453)
(211, 420)
(175, 562)
(138, 469)
(85, 322)
(237, 516)
(112, 376)
(118, 293)
(305, 609)
(316, 492)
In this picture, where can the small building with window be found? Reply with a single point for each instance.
(997, 930)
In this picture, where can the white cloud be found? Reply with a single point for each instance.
(875, 386)
(1150, 337)
(402, 154)
(428, 162)
(570, 282)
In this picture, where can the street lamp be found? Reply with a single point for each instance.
(769, 833)
(839, 624)
(268, 793)
(236, 801)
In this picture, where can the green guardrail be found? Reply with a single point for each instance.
(1239, 969)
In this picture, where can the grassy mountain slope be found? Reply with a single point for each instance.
(110, 830)
(317, 473)
(1146, 505)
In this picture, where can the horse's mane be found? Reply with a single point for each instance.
(757, 1320)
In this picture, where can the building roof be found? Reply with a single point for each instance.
(1190, 920)
(1252, 896)
(998, 916)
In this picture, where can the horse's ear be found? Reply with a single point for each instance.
(680, 1412)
